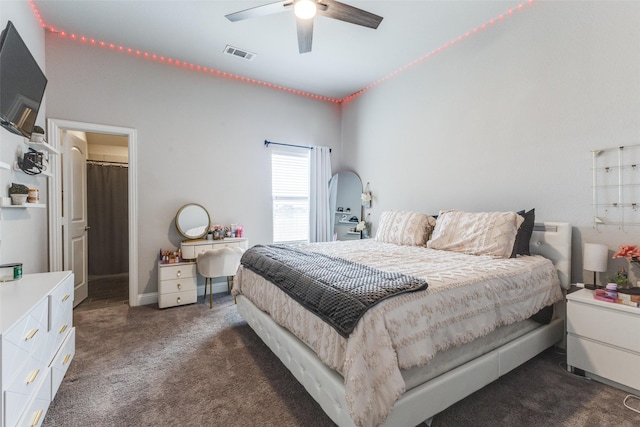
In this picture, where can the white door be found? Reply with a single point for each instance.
(74, 199)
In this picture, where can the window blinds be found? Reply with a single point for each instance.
(290, 195)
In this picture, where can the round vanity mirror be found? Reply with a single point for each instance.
(192, 221)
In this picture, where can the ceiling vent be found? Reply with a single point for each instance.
(230, 50)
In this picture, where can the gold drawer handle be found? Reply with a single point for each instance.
(36, 418)
(33, 376)
(64, 328)
(179, 273)
(179, 300)
(31, 334)
(66, 297)
(179, 286)
(66, 359)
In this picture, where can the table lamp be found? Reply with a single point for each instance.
(595, 259)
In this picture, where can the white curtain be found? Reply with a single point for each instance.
(319, 214)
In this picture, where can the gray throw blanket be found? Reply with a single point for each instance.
(337, 290)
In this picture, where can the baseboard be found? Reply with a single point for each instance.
(146, 299)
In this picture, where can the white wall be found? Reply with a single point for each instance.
(506, 120)
(200, 138)
(23, 232)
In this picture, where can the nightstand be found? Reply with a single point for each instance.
(561, 312)
(603, 340)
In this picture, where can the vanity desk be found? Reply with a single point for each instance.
(178, 282)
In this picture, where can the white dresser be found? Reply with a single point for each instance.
(192, 248)
(603, 340)
(177, 284)
(38, 344)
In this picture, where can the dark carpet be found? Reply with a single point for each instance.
(191, 366)
(105, 291)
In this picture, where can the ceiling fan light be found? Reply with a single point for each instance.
(305, 9)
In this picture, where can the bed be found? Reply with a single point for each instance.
(397, 371)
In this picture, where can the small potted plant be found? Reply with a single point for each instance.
(621, 278)
(18, 193)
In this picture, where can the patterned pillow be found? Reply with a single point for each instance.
(482, 233)
(405, 228)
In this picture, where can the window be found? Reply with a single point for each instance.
(290, 194)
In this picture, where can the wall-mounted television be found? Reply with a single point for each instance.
(22, 84)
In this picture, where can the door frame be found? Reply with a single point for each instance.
(54, 186)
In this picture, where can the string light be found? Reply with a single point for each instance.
(219, 73)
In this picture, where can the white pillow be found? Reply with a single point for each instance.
(481, 233)
(405, 228)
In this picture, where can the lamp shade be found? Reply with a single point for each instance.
(595, 257)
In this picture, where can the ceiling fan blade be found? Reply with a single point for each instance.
(344, 12)
(267, 9)
(305, 34)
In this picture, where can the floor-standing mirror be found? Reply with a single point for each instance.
(344, 199)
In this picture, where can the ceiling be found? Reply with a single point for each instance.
(345, 57)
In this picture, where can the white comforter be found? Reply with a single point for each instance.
(468, 297)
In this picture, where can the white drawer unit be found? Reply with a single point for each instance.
(37, 333)
(192, 248)
(603, 340)
(177, 284)
(62, 360)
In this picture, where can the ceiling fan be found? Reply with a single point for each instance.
(305, 10)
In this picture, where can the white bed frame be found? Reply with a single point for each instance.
(550, 239)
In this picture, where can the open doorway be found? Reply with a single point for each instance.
(105, 147)
(107, 213)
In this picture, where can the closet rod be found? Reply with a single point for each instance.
(103, 163)
(266, 144)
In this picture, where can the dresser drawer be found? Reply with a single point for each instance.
(602, 323)
(233, 245)
(24, 387)
(60, 329)
(60, 303)
(62, 360)
(177, 298)
(33, 415)
(27, 337)
(177, 271)
(177, 285)
(60, 315)
(197, 250)
(603, 360)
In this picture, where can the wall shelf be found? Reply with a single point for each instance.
(16, 167)
(5, 202)
(616, 179)
(41, 146)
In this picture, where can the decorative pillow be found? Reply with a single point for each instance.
(404, 228)
(481, 233)
(521, 246)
